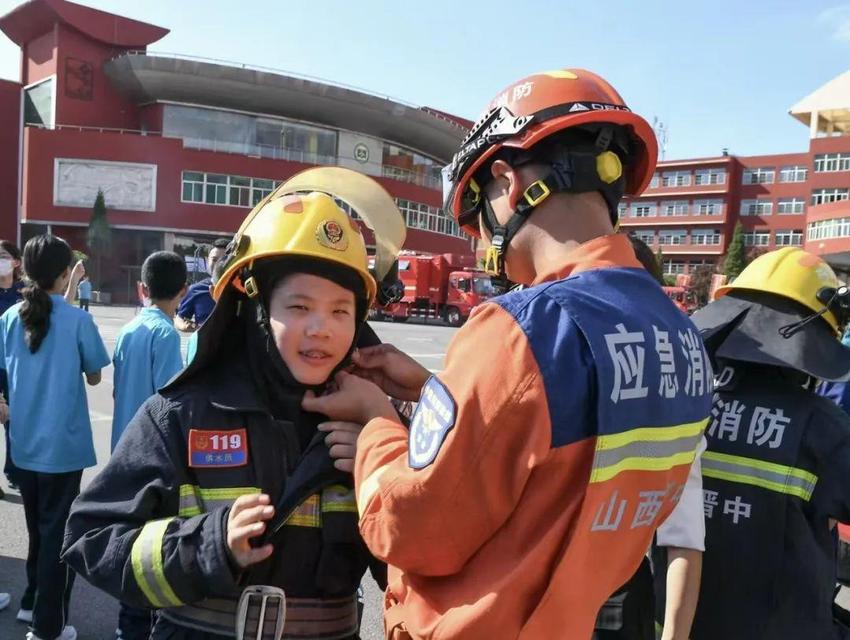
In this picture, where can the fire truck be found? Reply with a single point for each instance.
(443, 286)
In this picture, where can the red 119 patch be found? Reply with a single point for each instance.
(209, 448)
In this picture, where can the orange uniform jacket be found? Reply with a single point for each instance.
(542, 459)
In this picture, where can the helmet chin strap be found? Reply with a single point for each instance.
(571, 171)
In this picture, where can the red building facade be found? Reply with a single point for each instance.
(183, 147)
(691, 207)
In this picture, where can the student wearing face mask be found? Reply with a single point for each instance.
(10, 293)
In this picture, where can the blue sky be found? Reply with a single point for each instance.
(719, 73)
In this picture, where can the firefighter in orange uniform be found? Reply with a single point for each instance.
(560, 433)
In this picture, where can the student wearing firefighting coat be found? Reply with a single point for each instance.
(151, 529)
(561, 430)
(776, 470)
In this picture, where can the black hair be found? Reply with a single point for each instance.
(218, 269)
(221, 243)
(12, 249)
(164, 274)
(647, 259)
(46, 257)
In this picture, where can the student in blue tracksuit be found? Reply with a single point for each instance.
(147, 353)
(47, 347)
(147, 356)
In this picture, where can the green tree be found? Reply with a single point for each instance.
(659, 258)
(736, 257)
(99, 237)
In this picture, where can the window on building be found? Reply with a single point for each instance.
(672, 237)
(193, 186)
(260, 188)
(825, 229)
(756, 207)
(829, 162)
(676, 179)
(674, 208)
(710, 176)
(786, 238)
(656, 180)
(622, 209)
(216, 191)
(708, 207)
(643, 209)
(705, 237)
(757, 238)
(761, 175)
(422, 216)
(673, 267)
(240, 191)
(214, 188)
(402, 164)
(38, 104)
(790, 206)
(645, 236)
(225, 131)
(822, 196)
(795, 173)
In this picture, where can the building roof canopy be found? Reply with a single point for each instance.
(831, 102)
(147, 77)
(36, 17)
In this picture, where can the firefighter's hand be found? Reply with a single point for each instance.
(399, 375)
(354, 400)
(342, 442)
(246, 520)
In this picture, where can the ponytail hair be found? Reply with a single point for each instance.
(46, 258)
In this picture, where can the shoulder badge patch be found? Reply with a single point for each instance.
(218, 449)
(433, 419)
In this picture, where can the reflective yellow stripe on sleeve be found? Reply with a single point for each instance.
(148, 570)
(369, 488)
(646, 449)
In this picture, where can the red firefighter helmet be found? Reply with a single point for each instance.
(535, 108)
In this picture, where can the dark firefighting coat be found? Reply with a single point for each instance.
(776, 477)
(150, 529)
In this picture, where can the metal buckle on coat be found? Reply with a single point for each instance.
(261, 613)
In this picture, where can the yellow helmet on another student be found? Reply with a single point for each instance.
(792, 273)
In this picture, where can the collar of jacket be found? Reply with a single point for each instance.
(611, 251)
(231, 388)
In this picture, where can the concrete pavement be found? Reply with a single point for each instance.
(94, 613)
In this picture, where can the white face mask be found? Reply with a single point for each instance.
(6, 267)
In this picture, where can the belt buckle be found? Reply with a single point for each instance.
(261, 613)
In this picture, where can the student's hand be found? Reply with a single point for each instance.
(399, 375)
(342, 441)
(4, 409)
(78, 271)
(246, 520)
(354, 400)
